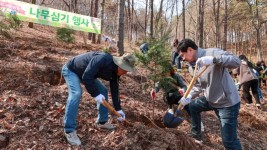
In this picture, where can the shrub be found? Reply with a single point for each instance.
(10, 21)
(64, 34)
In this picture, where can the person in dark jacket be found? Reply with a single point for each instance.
(172, 94)
(144, 48)
(86, 69)
(249, 81)
(176, 59)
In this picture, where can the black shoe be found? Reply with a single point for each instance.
(197, 138)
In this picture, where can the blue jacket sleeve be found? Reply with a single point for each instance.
(114, 88)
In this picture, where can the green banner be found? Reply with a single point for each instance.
(49, 16)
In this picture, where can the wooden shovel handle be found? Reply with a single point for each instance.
(195, 77)
(112, 110)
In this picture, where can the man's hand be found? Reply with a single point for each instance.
(185, 101)
(205, 61)
(122, 118)
(153, 93)
(99, 98)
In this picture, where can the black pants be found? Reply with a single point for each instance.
(253, 85)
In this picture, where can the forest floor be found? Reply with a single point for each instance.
(33, 97)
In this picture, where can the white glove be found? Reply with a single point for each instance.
(205, 61)
(153, 93)
(185, 101)
(122, 118)
(99, 98)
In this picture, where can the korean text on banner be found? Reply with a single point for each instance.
(49, 16)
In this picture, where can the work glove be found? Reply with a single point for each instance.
(185, 101)
(153, 93)
(99, 98)
(181, 91)
(122, 118)
(205, 61)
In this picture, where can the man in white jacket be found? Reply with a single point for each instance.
(220, 93)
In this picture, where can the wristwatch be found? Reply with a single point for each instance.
(215, 60)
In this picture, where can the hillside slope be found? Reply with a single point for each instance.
(33, 95)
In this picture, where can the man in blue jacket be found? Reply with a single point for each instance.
(86, 69)
(218, 87)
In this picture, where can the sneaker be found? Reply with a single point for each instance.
(73, 138)
(258, 106)
(202, 127)
(105, 126)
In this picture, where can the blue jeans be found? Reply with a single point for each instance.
(228, 121)
(75, 93)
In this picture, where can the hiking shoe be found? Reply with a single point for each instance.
(105, 126)
(73, 138)
(258, 106)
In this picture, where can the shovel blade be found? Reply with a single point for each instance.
(171, 121)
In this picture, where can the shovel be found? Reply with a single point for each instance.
(171, 119)
(194, 79)
(112, 110)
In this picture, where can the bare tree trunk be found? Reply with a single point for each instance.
(257, 23)
(146, 16)
(129, 21)
(151, 19)
(177, 19)
(183, 18)
(201, 22)
(132, 18)
(90, 35)
(257, 26)
(225, 25)
(235, 31)
(158, 16)
(73, 6)
(30, 25)
(95, 15)
(121, 27)
(197, 23)
(102, 20)
(216, 13)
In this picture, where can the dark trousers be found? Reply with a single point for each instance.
(252, 85)
(227, 117)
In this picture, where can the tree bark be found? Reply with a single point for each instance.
(225, 25)
(102, 20)
(95, 15)
(201, 23)
(121, 27)
(216, 12)
(129, 22)
(183, 18)
(30, 25)
(90, 35)
(146, 17)
(151, 19)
